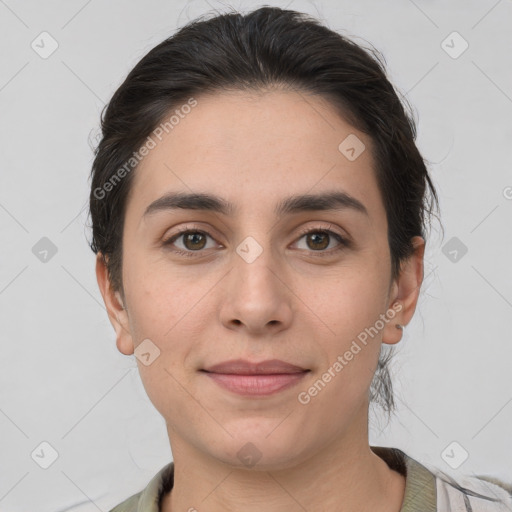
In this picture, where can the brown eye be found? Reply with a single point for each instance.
(188, 242)
(194, 240)
(317, 240)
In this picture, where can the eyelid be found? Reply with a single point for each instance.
(328, 229)
(169, 240)
(343, 240)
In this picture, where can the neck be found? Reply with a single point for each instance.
(347, 474)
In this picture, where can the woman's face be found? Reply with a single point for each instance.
(248, 283)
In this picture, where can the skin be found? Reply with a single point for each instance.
(254, 149)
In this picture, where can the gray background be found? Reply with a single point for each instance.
(62, 379)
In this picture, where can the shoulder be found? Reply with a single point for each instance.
(129, 505)
(473, 493)
(148, 500)
(430, 488)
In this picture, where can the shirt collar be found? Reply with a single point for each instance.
(420, 483)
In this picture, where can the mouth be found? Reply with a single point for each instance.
(255, 379)
(244, 367)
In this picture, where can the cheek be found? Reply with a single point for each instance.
(349, 302)
(171, 312)
(158, 300)
(351, 309)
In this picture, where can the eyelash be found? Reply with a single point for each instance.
(343, 243)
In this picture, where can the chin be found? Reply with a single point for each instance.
(256, 450)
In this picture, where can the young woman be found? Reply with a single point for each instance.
(258, 208)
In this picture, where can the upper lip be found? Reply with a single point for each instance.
(244, 367)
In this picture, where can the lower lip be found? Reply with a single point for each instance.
(256, 385)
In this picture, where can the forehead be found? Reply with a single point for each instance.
(248, 146)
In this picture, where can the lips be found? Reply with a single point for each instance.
(255, 379)
(244, 367)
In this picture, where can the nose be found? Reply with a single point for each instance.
(257, 298)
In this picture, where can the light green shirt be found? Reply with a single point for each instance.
(425, 490)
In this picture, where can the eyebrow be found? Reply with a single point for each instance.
(336, 200)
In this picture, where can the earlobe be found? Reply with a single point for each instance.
(394, 328)
(124, 340)
(116, 310)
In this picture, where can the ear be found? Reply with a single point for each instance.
(117, 313)
(405, 292)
